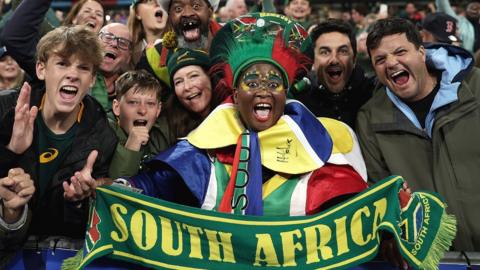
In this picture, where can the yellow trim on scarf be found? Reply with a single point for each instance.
(79, 114)
(153, 59)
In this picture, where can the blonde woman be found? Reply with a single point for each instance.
(146, 22)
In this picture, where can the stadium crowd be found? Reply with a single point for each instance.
(92, 96)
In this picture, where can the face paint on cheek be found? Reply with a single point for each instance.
(244, 86)
(275, 77)
(252, 76)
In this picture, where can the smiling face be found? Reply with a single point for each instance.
(116, 57)
(299, 9)
(67, 81)
(137, 108)
(152, 15)
(401, 67)
(260, 96)
(190, 19)
(334, 60)
(90, 15)
(193, 89)
(9, 69)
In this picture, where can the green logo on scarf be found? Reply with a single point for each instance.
(158, 234)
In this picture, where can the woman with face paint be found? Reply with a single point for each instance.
(258, 136)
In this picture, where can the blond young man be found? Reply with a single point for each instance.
(58, 135)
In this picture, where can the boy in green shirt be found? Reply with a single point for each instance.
(136, 107)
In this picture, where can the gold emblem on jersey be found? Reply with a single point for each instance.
(49, 155)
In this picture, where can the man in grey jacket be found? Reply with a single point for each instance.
(425, 123)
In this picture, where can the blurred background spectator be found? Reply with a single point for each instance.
(11, 75)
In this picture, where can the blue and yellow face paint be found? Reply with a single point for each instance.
(255, 79)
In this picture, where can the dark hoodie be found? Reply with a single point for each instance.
(342, 106)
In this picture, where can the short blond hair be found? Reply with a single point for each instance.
(67, 41)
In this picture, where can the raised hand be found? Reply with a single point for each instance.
(82, 184)
(15, 190)
(137, 137)
(22, 133)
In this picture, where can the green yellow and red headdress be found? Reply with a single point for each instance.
(261, 37)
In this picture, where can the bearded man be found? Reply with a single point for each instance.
(192, 26)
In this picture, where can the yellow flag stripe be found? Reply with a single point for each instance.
(273, 184)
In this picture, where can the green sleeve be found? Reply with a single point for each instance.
(125, 162)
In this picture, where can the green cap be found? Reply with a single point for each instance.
(187, 57)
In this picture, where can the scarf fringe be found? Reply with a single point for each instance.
(443, 241)
(73, 262)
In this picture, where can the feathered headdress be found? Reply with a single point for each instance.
(262, 37)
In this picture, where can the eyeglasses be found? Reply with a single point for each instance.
(122, 43)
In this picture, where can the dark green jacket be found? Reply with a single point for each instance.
(446, 161)
(125, 162)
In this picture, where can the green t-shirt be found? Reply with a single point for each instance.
(99, 92)
(52, 150)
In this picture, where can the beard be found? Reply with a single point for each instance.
(188, 25)
(201, 43)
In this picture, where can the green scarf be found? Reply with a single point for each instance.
(158, 234)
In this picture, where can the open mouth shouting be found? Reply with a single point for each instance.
(68, 92)
(109, 56)
(190, 28)
(334, 73)
(262, 111)
(399, 77)
(140, 123)
(91, 24)
(159, 15)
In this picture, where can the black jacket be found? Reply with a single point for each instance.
(342, 106)
(52, 214)
(22, 32)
